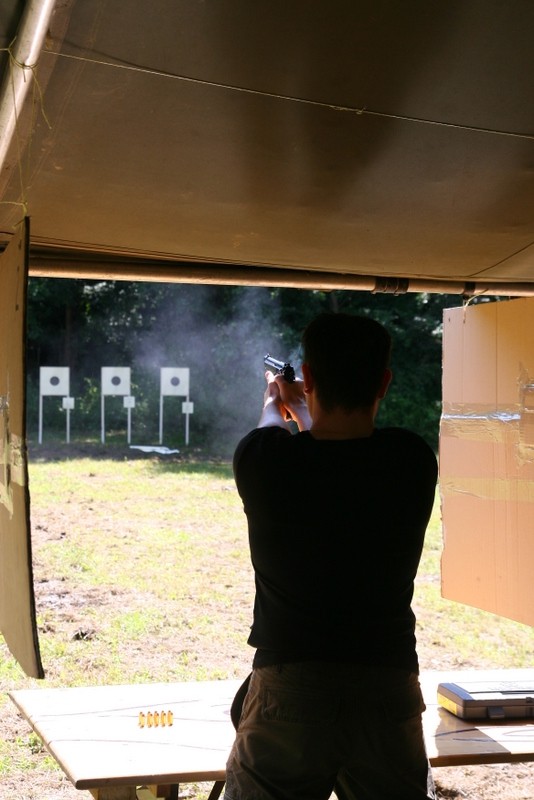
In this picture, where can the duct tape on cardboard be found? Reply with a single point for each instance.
(487, 447)
(487, 458)
(12, 460)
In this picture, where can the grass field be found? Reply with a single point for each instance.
(142, 574)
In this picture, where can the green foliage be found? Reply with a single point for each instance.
(415, 323)
(221, 333)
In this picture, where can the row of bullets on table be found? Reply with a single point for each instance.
(153, 719)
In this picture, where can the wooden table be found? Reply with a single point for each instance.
(451, 741)
(94, 733)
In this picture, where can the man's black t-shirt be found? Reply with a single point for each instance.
(336, 530)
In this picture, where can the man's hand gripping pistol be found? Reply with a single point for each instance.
(283, 368)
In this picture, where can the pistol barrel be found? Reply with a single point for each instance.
(283, 368)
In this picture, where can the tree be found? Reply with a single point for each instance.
(221, 333)
(415, 323)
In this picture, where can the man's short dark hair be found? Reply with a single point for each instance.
(347, 356)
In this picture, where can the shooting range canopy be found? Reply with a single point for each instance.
(380, 145)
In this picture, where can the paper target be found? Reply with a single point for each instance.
(175, 381)
(116, 380)
(54, 381)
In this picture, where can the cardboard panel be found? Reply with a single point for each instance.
(17, 605)
(487, 457)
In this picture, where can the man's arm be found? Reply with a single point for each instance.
(282, 398)
(273, 412)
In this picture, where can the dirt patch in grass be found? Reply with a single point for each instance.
(142, 574)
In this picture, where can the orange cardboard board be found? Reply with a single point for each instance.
(17, 607)
(487, 457)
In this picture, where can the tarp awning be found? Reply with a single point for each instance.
(377, 138)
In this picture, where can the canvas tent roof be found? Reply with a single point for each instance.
(377, 143)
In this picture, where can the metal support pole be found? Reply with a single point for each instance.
(40, 418)
(187, 423)
(18, 78)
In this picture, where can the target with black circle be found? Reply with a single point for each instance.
(55, 382)
(115, 382)
(174, 382)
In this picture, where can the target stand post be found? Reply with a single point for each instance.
(67, 404)
(129, 402)
(187, 409)
(55, 381)
(115, 381)
(174, 381)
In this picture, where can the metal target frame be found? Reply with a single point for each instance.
(55, 382)
(115, 382)
(174, 382)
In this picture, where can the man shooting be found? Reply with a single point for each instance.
(337, 515)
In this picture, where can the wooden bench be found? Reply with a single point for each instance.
(95, 736)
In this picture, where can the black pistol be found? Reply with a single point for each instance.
(283, 368)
